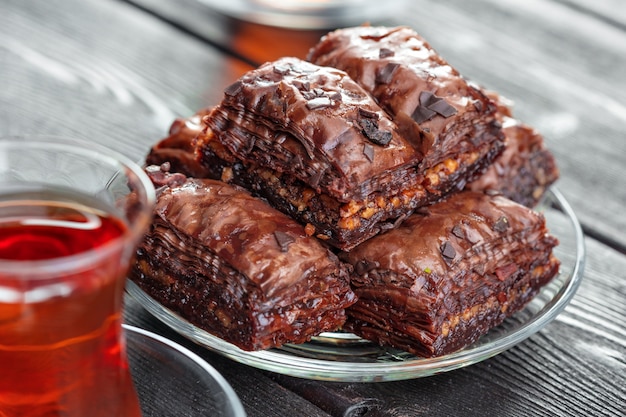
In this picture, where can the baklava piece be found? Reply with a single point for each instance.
(449, 273)
(178, 149)
(317, 146)
(524, 170)
(451, 122)
(232, 265)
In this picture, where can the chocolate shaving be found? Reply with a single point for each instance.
(501, 225)
(308, 95)
(448, 252)
(385, 52)
(284, 240)
(385, 75)
(368, 113)
(371, 131)
(443, 108)
(457, 231)
(429, 106)
(368, 151)
(422, 114)
(233, 89)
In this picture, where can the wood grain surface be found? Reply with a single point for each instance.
(118, 72)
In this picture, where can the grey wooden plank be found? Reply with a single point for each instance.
(79, 74)
(612, 12)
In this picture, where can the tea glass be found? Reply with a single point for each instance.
(71, 215)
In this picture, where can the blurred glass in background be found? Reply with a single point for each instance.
(308, 14)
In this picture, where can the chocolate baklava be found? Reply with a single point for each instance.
(237, 268)
(317, 146)
(451, 122)
(449, 273)
(524, 170)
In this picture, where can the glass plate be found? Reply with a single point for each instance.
(172, 380)
(346, 357)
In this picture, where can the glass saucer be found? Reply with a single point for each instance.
(346, 357)
(173, 381)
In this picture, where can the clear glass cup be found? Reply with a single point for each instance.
(71, 214)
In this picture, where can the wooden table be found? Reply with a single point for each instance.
(118, 72)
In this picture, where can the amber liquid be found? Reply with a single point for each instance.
(61, 347)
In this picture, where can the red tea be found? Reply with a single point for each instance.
(61, 347)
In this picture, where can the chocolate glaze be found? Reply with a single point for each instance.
(468, 261)
(314, 123)
(398, 67)
(178, 148)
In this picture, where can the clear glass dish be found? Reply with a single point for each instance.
(346, 357)
(172, 380)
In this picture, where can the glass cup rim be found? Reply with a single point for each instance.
(134, 230)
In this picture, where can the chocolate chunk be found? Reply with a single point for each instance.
(371, 131)
(448, 252)
(429, 106)
(422, 114)
(501, 225)
(457, 231)
(233, 89)
(385, 75)
(284, 240)
(428, 98)
(443, 108)
(368, 113)
(368, 151)
(385, 52)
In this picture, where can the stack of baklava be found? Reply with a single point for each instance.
(369, 188)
